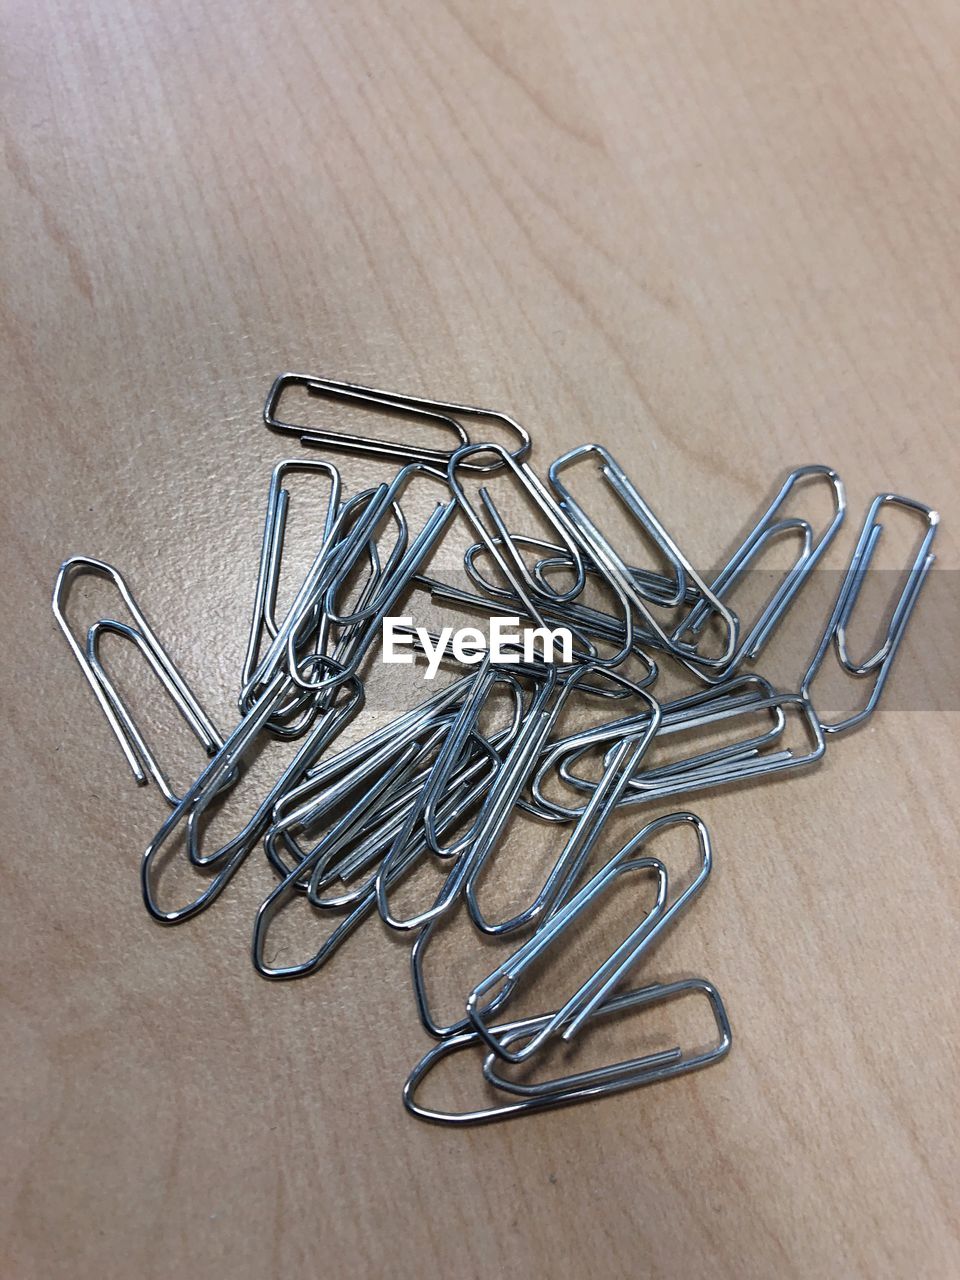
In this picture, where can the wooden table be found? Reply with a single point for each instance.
(721, 239)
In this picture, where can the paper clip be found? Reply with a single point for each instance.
(682, 714)
(770, 526)
(558, 885)
(608, 559)
(620, 768)
(142, 763)
(228, 858)
(264, 621)
(430, 412)
(601, 982)
(583, 1086)
(384, 592)
(879, 664)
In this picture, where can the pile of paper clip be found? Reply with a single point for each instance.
(437, 785)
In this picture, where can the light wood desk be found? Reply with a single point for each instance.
(722, 239)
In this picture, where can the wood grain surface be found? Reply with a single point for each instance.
(722, 239)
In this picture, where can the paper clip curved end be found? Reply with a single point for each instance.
(280, 384)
